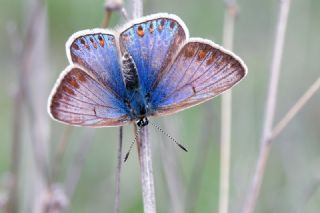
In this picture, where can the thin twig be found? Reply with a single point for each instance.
(119, 163)
(34, 41)
(226, 113)
(295, 109)
(110, 7)
(34, 98)
(137, 8)
(106, 19)
(145, 159)
(265, 144)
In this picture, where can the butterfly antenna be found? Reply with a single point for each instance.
(131, 145)
(166, 134)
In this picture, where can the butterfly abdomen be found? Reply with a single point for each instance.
(130, 72)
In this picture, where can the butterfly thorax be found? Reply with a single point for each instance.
(137, 102)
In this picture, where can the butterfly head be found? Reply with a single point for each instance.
(143, 122)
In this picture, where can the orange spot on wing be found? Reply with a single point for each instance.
(212, 57)
(140, 31)
(80, 76)
(101, 41)
(74, 83)
(201, 55)
(68, 90)
(189, 52)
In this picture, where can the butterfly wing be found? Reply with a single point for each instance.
(201, 71)
(79, 99)
(97, 52)
(91, 90)
(152, 42)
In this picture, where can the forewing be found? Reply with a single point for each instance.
(96, 51)
(152, 42)
(79, 99)
(201, 71)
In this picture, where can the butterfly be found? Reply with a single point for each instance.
(150, 67)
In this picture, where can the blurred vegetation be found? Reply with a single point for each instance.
(291, 182)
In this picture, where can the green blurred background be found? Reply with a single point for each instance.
(185, 182)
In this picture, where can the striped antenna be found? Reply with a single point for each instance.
(166, 134)
(131, 145)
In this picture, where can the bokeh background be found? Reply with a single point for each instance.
(185, 182)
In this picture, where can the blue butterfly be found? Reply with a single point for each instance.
(148, 68)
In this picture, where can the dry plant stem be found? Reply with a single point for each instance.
(144, 147)
(226, 114)
(35, 64)
(106, 18)
(295, 109)
(33, 35)
(119, 163)
(137, 8)
(145, 159)
(124, 14)
(265, 144)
